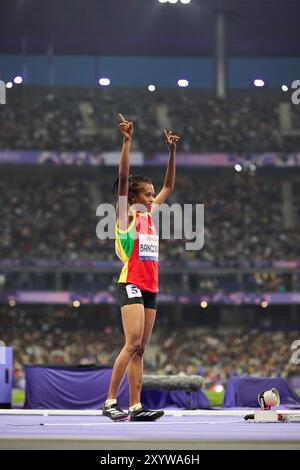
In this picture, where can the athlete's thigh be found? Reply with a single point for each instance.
(133, 319)
(150, 314)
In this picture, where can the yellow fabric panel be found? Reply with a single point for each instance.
(124, 272)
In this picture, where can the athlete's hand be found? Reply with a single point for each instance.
(171, 139)
(126, 128)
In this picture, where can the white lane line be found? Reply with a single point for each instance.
(144, 422)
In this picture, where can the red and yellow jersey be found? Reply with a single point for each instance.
(138, 249)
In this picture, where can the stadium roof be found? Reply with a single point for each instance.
(147, 27)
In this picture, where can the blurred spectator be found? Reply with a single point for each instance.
(65, 337)
(49, 218)
(85, 119)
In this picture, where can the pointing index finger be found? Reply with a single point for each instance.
(122, 117)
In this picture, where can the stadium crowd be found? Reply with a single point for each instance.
(50, 218)
(66, 119)
(63, 337)
(249, 218)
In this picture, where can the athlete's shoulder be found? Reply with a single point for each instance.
(127, 224)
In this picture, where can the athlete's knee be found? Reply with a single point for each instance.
(133, 347)
(141, 350)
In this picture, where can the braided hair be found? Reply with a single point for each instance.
(134, 186)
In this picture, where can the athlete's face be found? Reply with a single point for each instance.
(145, 196)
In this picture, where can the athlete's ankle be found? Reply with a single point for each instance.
(110, 402)
(135, 407)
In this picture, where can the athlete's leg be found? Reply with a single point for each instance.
(133, 318)
(135, 368)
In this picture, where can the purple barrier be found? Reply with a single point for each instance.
(70, 388)
(229, 159)
(243, 391)
(137, 158)
(163, 399)
(104, 297)
(6, 376)
(34, 157)
(68, 264)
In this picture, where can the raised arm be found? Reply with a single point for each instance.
(126, 129)
(168, 186)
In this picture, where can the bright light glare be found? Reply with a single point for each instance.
(151, 88)
(104, 81)
(284, 88)
(238, 167)
(183, 83)
(18, 80)
(259, 83)
(9, 85)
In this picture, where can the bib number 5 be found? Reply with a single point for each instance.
(133, 291)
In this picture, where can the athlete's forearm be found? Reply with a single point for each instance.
(126, 129)
(171, 170)
(125, 159)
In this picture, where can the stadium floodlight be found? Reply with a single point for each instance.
(151, 88)
(284, 88)
(238, 167)
(183, 83)
(104, 81)
(258, 82)
(9, 85)
(18, 80)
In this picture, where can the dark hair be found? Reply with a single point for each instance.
(134, 185)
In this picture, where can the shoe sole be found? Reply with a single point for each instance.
(126, 418)
(121, 420)
(146, 419)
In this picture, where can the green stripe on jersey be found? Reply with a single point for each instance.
(127, 240)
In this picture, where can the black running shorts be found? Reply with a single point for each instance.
(128, 294)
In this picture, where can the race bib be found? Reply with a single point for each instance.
(148, 247)
(133, 291)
